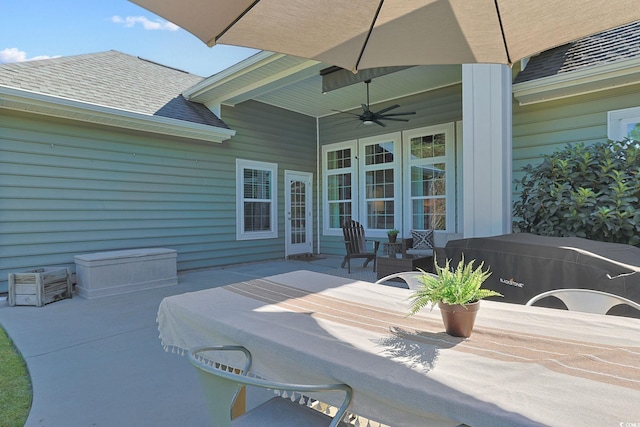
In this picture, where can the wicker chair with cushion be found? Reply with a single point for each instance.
(356, 245)
(420, 243)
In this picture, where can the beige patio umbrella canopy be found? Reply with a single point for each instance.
(359, 34)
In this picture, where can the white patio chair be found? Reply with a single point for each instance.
(412, 278)
(221, 388)
(586, 300)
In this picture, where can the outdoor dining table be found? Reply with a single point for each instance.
(521, 366)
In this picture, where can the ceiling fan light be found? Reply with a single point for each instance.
(367, 122)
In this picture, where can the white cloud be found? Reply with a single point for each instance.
(13, 54)
(147, 24)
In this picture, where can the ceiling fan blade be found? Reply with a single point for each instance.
(346, 112)
(384, 110)
(396, 114)
(369, 116)
(392, 118)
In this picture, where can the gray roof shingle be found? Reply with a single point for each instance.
(113, 79)
(602, 48)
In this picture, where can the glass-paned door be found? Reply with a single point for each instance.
(298, 207)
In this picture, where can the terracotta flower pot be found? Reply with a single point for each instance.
(392, 237)
(459, 319)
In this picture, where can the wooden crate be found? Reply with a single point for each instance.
(39, 287)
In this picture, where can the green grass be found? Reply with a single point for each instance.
(15, 386)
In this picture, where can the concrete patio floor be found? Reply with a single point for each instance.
(99, 362)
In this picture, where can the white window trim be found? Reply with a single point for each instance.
(401, 163)
(458, 174)
(396, 139)
(353, 145)
(449, 159)
(617, 121)
(241, 165)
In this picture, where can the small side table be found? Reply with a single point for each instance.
(387, 265)
(391, 249)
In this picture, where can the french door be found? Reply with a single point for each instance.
(298, 209)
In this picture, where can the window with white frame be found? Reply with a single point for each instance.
(430, 178)
(380, 182)
(338, 189)
(256, 200)
(623, 124)
(402, 180)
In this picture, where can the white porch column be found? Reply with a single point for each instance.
(486, 149)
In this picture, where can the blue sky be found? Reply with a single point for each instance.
(50, 28)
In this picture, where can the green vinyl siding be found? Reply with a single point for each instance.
(68, 188)
(269, 134)
(544, 127)
(443, 105)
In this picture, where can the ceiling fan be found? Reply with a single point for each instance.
(369, 117)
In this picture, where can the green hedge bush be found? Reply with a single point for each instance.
(589, 191)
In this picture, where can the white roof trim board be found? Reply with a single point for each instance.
(588, 80)
(21, 100)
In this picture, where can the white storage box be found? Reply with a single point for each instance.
(118, 272)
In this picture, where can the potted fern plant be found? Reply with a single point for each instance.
(392, 235)
(457, 291)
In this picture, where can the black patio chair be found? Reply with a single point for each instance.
(356, 245)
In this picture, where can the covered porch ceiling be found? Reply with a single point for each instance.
(295, 84)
